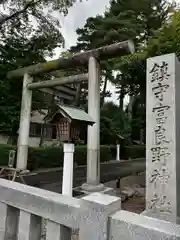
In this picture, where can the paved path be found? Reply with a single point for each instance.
(51, 179)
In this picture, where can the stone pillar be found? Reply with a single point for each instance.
(95, 221)
(93, 139)
(22, 149)
(118, 152)
(67, 183)
(163, 138)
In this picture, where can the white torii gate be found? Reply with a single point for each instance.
(92, 58)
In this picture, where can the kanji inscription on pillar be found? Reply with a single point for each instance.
(161, 134)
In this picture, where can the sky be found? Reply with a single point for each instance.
(76, 18)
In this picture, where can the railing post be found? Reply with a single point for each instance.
(125, 225)
(57, 232)
(29, 226)
(9, 217)
(67, 183)
(23, 139)
(60, 231)
(95, 224)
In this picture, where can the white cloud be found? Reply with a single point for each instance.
(77, 17)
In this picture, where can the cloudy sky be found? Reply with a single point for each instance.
(77, 17)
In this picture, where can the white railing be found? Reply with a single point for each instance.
(22, 209)
(97, 216)
(131, 226)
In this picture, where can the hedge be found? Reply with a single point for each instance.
(134, 151)
(53, 156)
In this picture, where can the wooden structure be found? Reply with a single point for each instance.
(64, 124)
(70, 121)
(10, 171)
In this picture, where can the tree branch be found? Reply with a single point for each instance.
(2, 1)
(16, 14)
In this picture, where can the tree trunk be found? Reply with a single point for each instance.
(121, 98)
(44, 124)
(6, 18)
(104, 90)
(130, 110)
(78, 94)
(130, 107)
(42, 135)
(141, 136)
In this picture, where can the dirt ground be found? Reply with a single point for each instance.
(134, 204)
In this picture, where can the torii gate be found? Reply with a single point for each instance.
(90, 58)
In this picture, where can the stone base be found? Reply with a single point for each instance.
(162, 216)
(83, 193)
(93, 188)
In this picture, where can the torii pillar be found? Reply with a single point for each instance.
(22, 148)
(93, 139)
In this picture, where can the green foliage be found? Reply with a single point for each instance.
(32, 15)
(147, 23)
(18, 52)
(53, 156)
(4, 153)
(130, 151)
(167, 39)
(135, 151)
(29, 33)
(113, 122)
(39, 158)
(125, 19)
(162, 41)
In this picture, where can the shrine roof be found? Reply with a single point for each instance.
(75, 114)
(38, 116)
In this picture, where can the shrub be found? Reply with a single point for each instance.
(136, 151)
(4, 153)
(53, 156)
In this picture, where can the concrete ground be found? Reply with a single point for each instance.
(52, 179)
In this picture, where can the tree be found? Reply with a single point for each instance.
(29, 33)
(86, 38)
(21, 11)
(19, 52)
(32, 18)
(126, 19)
(133, 67)
(113, 122)
(166, 39)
